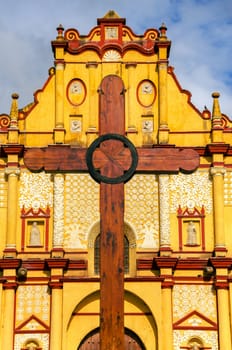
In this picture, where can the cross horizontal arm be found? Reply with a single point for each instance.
(167, 160)
(67, 158)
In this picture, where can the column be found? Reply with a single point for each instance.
(166, 266)
(8, 315)
(222, 267)
(12, 173)
(218, 205)
(223, 318)
(58, 223)
(56, 330)
(9, 267)
(167, 315)
(93, 103)
(56, 316)
(163, 45)
(131, 93)
(58, 46)
(164, 212)
(59, 102)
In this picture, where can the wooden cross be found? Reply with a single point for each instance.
(111, 160)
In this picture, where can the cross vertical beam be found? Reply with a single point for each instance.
(111, 267)
(112, 119)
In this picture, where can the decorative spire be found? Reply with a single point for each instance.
(14, 111)
(216, 113)
(60, 30)
(163, 30)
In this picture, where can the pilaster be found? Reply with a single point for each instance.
(9, 267)
(163, 46)
(164, 200)
(56, 333)
(217, 173)
(166, 266)
(58, 46)
(131, 68)
(12, 174)
(221, 266)
(58, 223)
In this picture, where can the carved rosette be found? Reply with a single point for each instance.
(58, 211)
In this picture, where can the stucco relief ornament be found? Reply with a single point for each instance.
(149, 237)
(58, 210)
(111, 55)
(75, 238)
(35, 190)
(195, 187)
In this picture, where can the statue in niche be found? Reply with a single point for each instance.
(191, 234)
(35, 239)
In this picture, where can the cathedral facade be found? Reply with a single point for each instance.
(165, 269)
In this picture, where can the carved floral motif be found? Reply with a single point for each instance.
(196, 186)
(32, 300)
(164, 198)
(81, 209)
(58, 210)
(35, 190)
(141, 209)
(192, 297)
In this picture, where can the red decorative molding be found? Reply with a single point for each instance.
(144, 264)
(10, 285)
(10, 263)
(77, 264)
(57, 263)
(211, 324)
(55, 284)
(218, 148)
(33, 264)
(191, 264)
(165, 262)
(74, 43)
(15, 149)
(20, 329)
(221, 262)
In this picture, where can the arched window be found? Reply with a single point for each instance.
(97, 255)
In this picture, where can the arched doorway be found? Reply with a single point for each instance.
(92, 341)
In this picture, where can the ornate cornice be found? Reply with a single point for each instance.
(56, 263)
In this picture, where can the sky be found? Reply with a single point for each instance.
(200, 31)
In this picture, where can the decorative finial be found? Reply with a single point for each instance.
(14, 111)
(60, 30)
(216, 113)
(163, 30)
